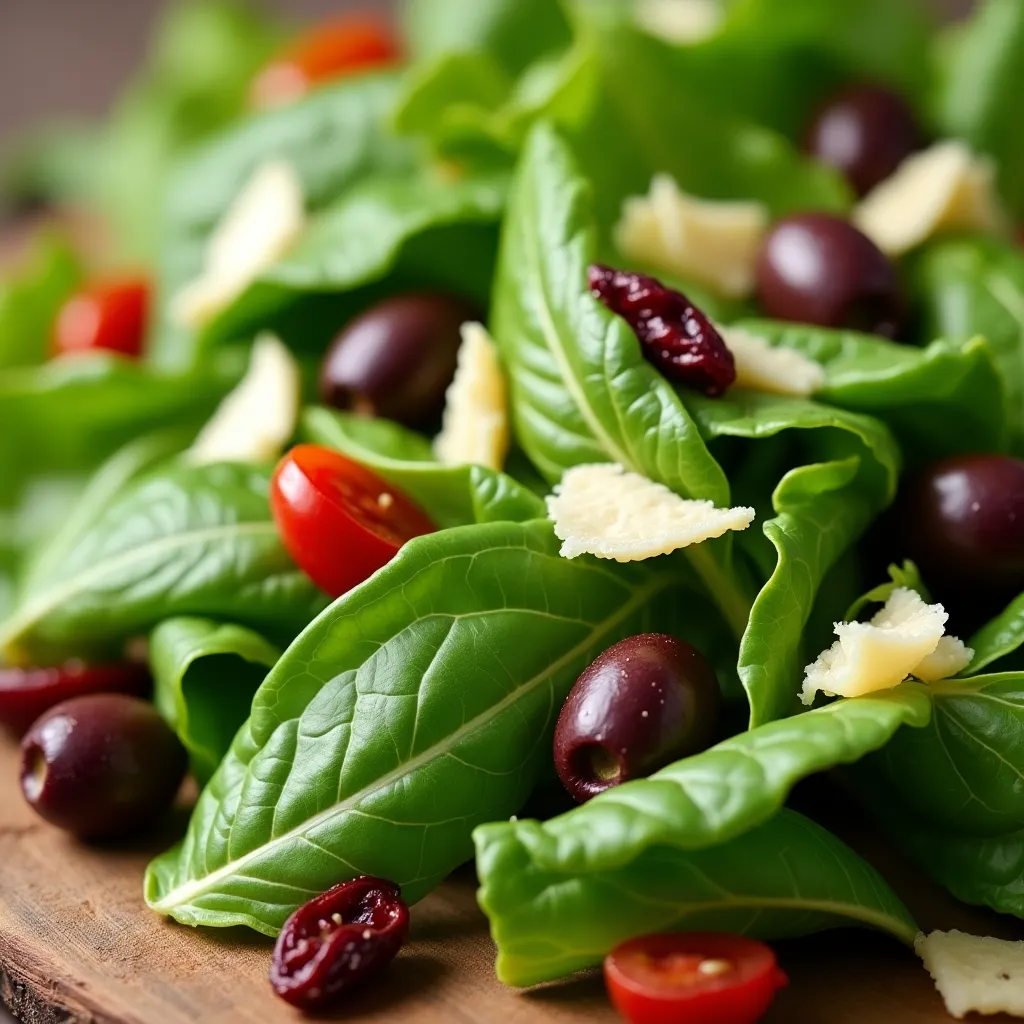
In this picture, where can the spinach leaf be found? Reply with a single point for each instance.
(784, 878)
(333, 138)
(30, 299)
(422, 231)
(963, 773)
(451, 495)
(409, 712)
(581, 390)
(969, 287)
(513, 32)
(996, 639)
(177, 541)
(980, 86)
(941, 399)
(205, 674)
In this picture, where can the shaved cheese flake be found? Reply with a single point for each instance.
(879, 654)
(974, 972)
(475, 428)
(256, 231)
(949, 658)
(943, 188)
(762, 367)
(679, 21)
(255, 421)
(712, 243)
(605, 511)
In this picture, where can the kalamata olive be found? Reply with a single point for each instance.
(101, 765)
(646, 701)
(864, 131)
(815, 268)
(25, 693)
(397, 359)
(962, 520)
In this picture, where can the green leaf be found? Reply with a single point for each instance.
(205, 674)
(999, 637)
(420, 232)
(178, 541)
(938, 400)
(30, 299)
(333, 138)
(979, 92)
(963, 773)
(451, 495)
(784, 878)
(409, 712)
(513, 32)
(906, 575)
(969, 287)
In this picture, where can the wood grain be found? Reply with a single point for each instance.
(78, 945)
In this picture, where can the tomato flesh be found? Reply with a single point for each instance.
(109, 316)
(357, 41)
(339, 520)
(692, 978)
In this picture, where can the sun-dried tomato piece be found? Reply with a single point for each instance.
(337, 939)
(674, 334)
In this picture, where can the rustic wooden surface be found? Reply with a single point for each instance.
(78, 945)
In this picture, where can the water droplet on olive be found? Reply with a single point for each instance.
(962, 520)
(865, 132)
(816, 268)
(645, 702)
(101, 765)
(397, 358)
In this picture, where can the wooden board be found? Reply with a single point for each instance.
(78, 945)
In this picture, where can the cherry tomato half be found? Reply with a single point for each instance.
(110, 315)
(356, 41)
(25, 693)
(339, 520)
(696, 977)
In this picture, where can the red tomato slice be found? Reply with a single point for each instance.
(339, 520)
(110, 315)
(692, 978)
(356, 41)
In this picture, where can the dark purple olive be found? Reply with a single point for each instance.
(865, 132)
(815, 268)
(962, 520)
(397, 359)
(640, 705)
(101, 765)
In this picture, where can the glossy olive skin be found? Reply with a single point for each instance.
(101, 765)
(815, 268)
(396, 359)
(645, 702)
(962, 520)
(865, 132)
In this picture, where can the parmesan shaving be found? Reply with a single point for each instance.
(762, 367)
(975, 973)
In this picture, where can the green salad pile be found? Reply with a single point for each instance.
(400, 729)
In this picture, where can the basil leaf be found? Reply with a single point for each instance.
(941, 399)
(999, 637)
(333, 138)
(980, 85)
(30, 299)
(963, 772)
(976, 287)
(547, 925)
(204, 676)
(178, 541)
(420, 232)
(451, 495)
(410, 711)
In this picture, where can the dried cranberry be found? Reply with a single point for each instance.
(25, 693)
(337, 939)
(676, 336)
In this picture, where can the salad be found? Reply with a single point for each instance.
(623, 397)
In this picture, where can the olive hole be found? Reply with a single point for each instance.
(34, 777)
(598, 763)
